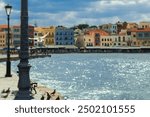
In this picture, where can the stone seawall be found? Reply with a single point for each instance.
(92, 50)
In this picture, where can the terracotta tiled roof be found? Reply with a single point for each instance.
(18, 26)
(101, 32)
(3, 26)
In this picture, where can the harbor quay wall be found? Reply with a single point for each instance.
(91, 50)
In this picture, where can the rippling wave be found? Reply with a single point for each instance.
(95, 76)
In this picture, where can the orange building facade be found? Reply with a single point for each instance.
(92, 37)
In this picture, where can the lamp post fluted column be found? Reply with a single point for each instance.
(23, 66)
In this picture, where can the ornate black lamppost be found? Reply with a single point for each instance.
(8, 66)
(23, 66)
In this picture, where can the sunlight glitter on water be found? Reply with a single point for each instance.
(95, 76)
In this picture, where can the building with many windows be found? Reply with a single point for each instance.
(4, 35)
(132, 25)
(140, 36)
(92, 37)
(110, 28)
(64, 36)
(115, 41)
(48, 31)
(16, 35)
(144, 25)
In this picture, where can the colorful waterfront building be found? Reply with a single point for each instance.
(49, 32)
(4, 35)
(144, 24)
(140, 36)
(132, 25)
(92, 37)
(64, 36)
(38, 42)
(110, 28)
(115, 41)
(16, 31)
(78, 37)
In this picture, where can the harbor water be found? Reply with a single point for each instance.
(113, 76)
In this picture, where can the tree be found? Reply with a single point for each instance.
(83, 26)
(93, 26)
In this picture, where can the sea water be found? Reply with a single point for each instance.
(94, 76)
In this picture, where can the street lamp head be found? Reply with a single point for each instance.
(8, 9)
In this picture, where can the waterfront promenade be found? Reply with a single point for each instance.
(3, 57)
(12, 82)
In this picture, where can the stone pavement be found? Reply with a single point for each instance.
(12, 82)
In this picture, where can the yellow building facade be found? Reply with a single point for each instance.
(132, 25)
(2, 39)
(49, 31)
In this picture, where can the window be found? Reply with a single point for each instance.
(146, 35)
(16, 30)
(52, 34)
(134, 43)
(134, 35)
(119, 39)
(35, 34)
(123, 39)
(140, 35)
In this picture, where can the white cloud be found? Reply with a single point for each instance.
(102, 6)
(2, 10)
(94, 13)
(2, 5)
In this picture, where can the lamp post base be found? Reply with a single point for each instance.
(23, 95)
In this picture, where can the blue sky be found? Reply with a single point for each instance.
(73, 12)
